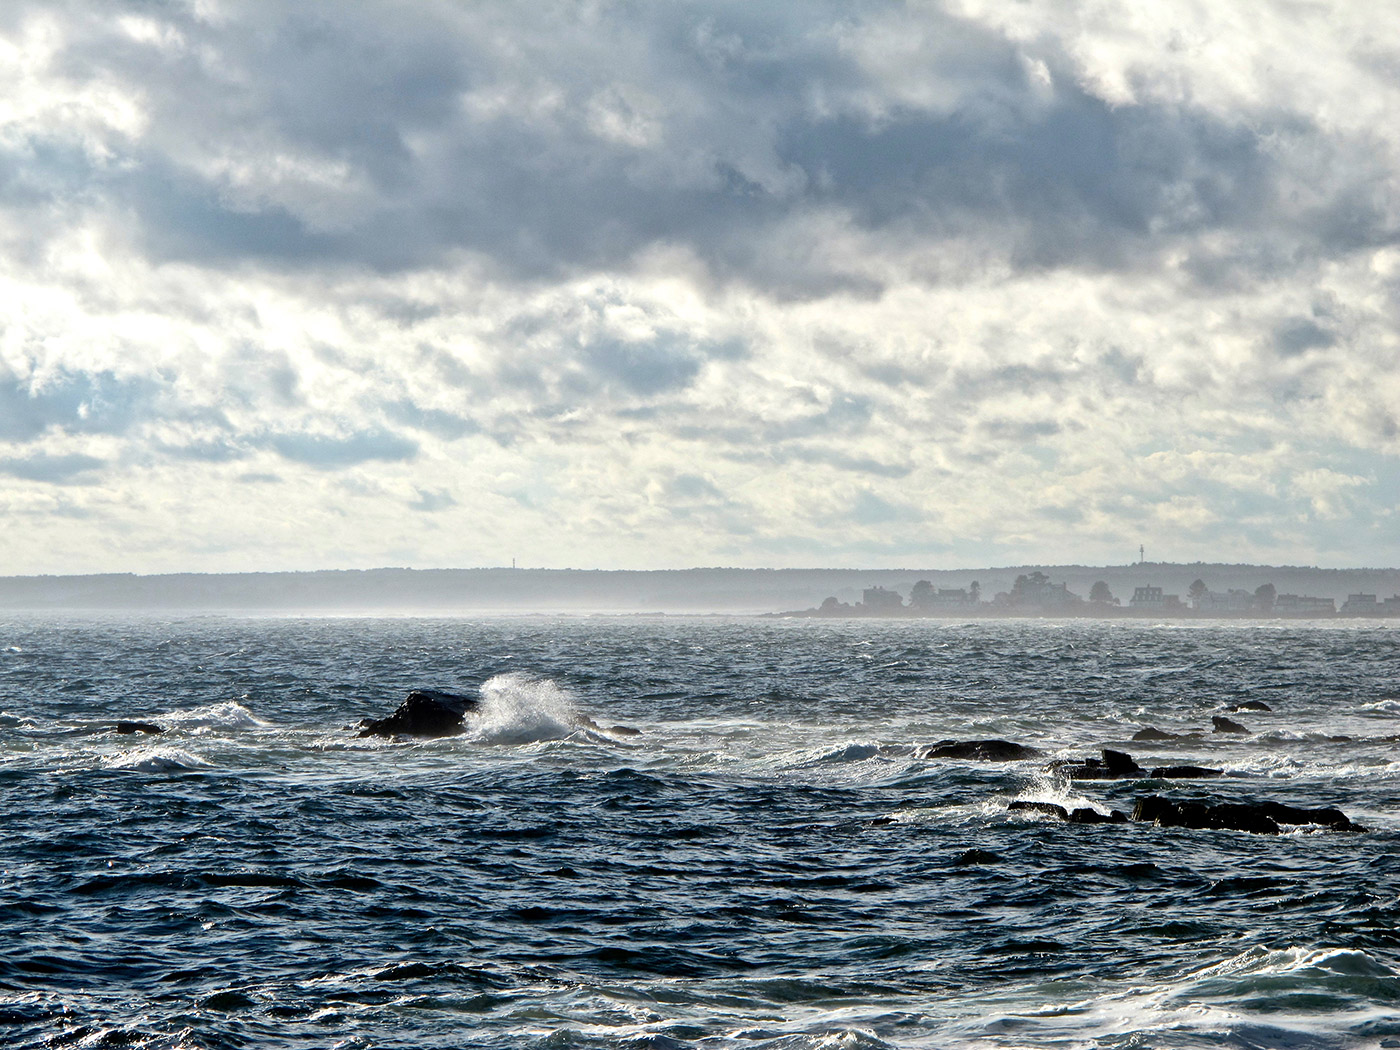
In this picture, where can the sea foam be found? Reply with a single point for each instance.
(518, 709)
(157, 760)
(226, 716)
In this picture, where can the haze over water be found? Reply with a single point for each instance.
(769, 864)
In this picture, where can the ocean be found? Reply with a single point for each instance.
(771, 863)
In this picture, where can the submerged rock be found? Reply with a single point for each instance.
(127, 728)
(425, 713)
(1252, 705)
(981, 750)
(1152, 733)
(977, 856)
(1226, 725)
(1185, 773)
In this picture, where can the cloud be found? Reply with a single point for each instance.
(330, 452)
(701, 281)
(74, 402)
(588, 142)
(70, 469)
(430, 501)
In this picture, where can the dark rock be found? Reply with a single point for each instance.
(1115, 765)
(1225, 725)
(1054, 809)
(1326, 817)
(977, 856)
(424, 712)
(1085, 815)
(1153, 733)
(1185, 773)
(1224, 816)
(980, 750)
(1082, 815)
(588, 723)
(1252, 705)
(138, 727)
(1260, 818)
(1119, 762)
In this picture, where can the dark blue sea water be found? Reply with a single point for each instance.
(768, 865)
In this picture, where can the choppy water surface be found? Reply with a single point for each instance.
(768, 865)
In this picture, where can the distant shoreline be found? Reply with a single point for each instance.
(697, 591)
(1111, 613)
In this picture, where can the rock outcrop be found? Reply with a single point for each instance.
(1152, 733)
(1184, 773)
(1261, 818)
(1115, 765)
(127, 728)
(1119, 765)
(980, 750)
(1226, 725)
(1252, 705)
(1258, 818)
(424, 713)
(1081, 815)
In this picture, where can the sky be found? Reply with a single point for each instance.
(288, 284)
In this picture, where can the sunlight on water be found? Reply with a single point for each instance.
(707, 833)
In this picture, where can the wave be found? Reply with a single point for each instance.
(1270, 978)
(157, 760)
(228, 715)
(518, 709)
(1046, 789)
(1384, 707)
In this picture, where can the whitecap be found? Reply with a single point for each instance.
(1385, 707)
(518, 709)
(227, 715)
(1044, 789)
(854, 752)
(157, 760)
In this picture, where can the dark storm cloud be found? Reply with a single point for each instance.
(555, 138)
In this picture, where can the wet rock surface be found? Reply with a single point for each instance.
(981, 750)
(423, 713)
(1256, 818)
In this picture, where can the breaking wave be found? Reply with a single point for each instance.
(157, 760)
(518, 709)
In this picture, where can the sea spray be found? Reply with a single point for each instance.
(519, 709)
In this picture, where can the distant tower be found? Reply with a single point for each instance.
(1142, 555)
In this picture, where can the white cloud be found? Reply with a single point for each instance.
(935, 283)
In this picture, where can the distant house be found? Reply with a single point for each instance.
(1304, 605)
(1361, 605)
(1146, 598)
(1152, 599)
(1036, 591)
(878, 599)
(1213, 603)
